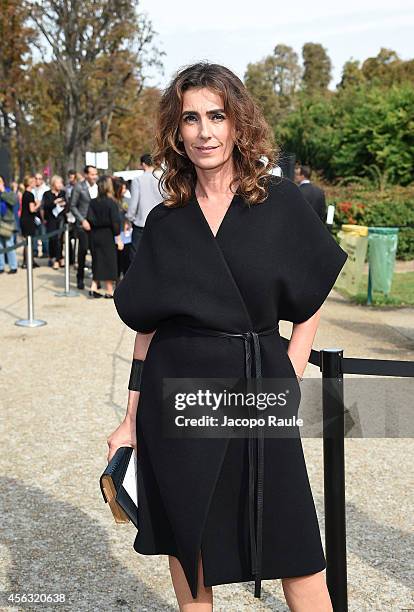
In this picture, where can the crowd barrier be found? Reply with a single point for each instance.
(333, 366)
(31, 321)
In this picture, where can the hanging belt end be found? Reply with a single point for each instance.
(257, 588)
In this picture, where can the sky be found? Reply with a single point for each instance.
(236, 32)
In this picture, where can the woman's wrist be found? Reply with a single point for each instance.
(133, 399)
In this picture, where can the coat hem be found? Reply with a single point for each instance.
(235, 579)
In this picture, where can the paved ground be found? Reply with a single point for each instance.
(63, 389)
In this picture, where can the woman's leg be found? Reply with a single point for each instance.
(94, 285)
(204, 600)
(11, 255)
(307, 593)
(2, 246)
(109, 287)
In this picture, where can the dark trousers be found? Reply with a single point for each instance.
(136, 237)
(83, 246)
(124, 260)
(55, 242)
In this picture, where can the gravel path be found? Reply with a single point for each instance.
(63, 389)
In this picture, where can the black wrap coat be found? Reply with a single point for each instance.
(270, 261)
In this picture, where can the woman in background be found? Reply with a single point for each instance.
(120, 189)
(28, 215)
(103, 217)
(54, 206)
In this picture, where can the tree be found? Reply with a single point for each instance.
(259, 81)
(387, 69)
(98, 47)
(273, 81)
(286, 70)
(375, 127)
(317, 68)
(15, 38)
(352, 75)
(308, 130)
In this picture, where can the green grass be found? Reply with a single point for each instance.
(401, 294)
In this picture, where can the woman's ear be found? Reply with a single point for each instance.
(180, 138)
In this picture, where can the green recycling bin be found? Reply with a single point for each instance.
(382, 248)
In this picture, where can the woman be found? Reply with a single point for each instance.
(103, 217)
(229, 253)
(123, 255)
(28, 217)
(54, 207)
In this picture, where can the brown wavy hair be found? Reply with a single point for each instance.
(253, 135)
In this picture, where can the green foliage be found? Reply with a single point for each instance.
(377, 129)
(363, 131)
(309, 131)
(354, 203)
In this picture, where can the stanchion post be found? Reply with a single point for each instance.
(68, 292)
(334, 477)
(30, 321)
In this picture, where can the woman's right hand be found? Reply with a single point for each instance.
(124, 435)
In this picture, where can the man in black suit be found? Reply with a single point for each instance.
(314, 195)
(82, 193)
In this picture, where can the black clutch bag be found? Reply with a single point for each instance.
(119, 485)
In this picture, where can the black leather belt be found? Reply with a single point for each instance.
(255, 447)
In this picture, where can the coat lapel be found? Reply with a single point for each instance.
(210, 244)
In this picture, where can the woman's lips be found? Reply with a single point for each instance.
(207, 149)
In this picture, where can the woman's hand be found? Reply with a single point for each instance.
(124, 435)
(120, 245)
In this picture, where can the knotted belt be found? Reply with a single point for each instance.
(255, 447)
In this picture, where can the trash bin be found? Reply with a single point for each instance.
(382, 248)
(354, 240)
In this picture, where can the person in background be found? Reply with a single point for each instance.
(15, 188)
(8, 227)
(313, 194)
(54, 207)
(104, 221)
(120, 189)
(39, 189)
(82, 194)
(145, 195)
(30, 210)
(72, 180)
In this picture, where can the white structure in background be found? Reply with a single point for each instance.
(128, 175)
(330, 214)
(98, 159)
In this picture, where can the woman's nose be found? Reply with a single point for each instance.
(205, 131)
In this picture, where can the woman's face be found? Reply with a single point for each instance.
(58, 185)
(206, 132)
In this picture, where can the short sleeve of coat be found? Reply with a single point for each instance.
(313, 259)
(136, 297)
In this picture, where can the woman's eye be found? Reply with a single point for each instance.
(218, 117)
(190, 118)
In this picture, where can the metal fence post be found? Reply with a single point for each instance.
(334, 477)
(68, 292)
(30, 321)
